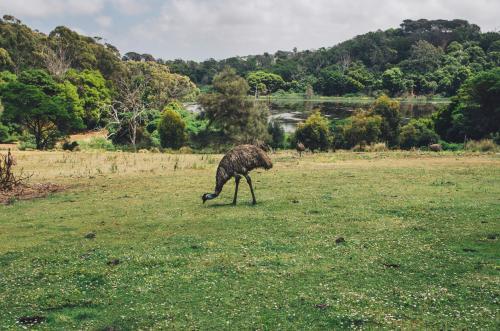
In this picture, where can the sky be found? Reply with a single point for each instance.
(202, 29)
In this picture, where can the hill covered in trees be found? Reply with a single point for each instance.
(52, 85)
(420, 57)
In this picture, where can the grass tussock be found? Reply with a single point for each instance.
(484, 145)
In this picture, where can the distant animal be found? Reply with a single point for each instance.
(237, 163)
(436, 147)
(300, 148)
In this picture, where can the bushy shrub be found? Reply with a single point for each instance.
(418, 133)
(70, 146)
(388, 109)
(98, 143)
(451, 146)
(172, 129)
(377, 147)
(277, 134)
(4, 134)
(361, 129)
(484, 145)
(185, 150)
(314, 133)
(26, 142)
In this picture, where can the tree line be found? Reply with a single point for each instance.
(62, 83)
(423, 57)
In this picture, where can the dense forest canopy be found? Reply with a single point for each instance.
(420, 57)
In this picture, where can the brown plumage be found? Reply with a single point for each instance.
(236, 163)
(436, 147)
(300, 148)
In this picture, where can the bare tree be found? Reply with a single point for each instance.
(57, 60)
(130, 107)
(345, 61)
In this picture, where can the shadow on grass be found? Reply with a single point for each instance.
(230, 204)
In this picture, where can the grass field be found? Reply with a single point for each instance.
(420, 248)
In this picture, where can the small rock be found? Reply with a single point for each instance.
(31, 320)
(113, 262)
(469, 250)
(90, 235)
(340, 240)
(391, 265)
(321, 306)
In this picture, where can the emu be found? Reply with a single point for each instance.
(300, 148)
(237, 163)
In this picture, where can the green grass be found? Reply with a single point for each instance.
(421, 246)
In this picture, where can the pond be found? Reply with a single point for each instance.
(291, 112)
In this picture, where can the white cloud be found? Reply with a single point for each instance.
(104, 21)
(50, 8)
(131, 7)
(221, 28)
(199, 29)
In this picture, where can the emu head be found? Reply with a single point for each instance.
(208, 196)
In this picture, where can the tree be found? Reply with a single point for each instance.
(388, 109)
(94, 93)
(393, 81)
(333, 82)
(271, 82)
(362, 129)
(228, 109)
(57, 58)
(475, 112)
(277, 134)
(45, 117)
(424, 57)
(129, 109)
(172, 129)
(5, 60)
(314, 133)
(418, 133)
(163, 86)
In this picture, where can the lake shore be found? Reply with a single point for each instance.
(354, 100)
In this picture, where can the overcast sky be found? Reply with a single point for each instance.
(201, 29)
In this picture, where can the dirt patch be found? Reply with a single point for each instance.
(89, 135)
(29, 192)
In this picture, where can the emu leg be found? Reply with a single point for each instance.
(237, 180)
(249, 181)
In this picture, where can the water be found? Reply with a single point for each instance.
(289, 113)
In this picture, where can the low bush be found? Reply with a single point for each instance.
(4, 134)
(484, 145)
(98, 143)
(70, 146)
(314, 133)
(172, 129)
(453, 147)
(27, 142)
(277, 134)
(418, 133)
